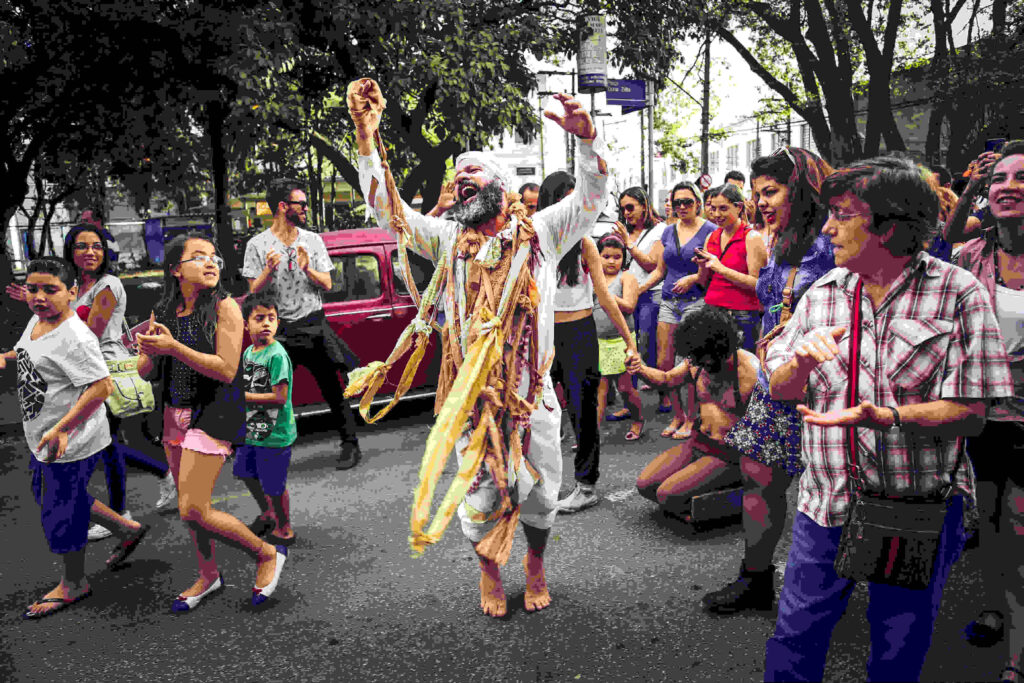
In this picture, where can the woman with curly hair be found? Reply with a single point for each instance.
(786, 186)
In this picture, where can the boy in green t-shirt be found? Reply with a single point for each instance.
(262, 463)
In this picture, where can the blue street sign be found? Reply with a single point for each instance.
(626, 92)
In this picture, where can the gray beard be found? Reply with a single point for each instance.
(485, 206)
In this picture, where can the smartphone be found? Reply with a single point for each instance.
(994, 144)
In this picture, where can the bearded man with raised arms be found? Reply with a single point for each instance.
(488, 243)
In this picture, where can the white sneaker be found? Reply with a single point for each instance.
(98, 532)
(168, 492)
(581, 498)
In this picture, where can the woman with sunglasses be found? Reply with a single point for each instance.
(786, 188)
(640, 231)
(730, 260)
(203, 408)
(680, 290)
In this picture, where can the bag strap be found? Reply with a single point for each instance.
(787, 291)
(853, 387)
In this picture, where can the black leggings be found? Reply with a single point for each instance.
(575, 366)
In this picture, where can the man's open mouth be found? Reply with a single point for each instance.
(467, 191)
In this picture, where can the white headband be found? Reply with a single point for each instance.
(488, 163)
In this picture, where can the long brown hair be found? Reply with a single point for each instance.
(802, 172)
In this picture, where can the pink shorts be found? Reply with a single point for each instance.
(177, 433)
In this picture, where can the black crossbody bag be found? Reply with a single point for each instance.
(890, 540)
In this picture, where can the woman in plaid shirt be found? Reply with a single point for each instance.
(931, 360)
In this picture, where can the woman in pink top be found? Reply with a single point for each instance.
(732, 257)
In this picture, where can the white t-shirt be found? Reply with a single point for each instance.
(297, 296)
(110, 340)
(53, 371)
(1010, 314)
(644, 244)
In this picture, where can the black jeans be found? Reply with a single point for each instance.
(575, 367)
(307, 346)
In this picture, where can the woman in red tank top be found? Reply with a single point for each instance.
(732, 257)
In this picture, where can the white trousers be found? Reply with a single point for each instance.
(538, 501)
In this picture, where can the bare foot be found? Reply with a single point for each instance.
(537, 596)
(62, 592)
(267, 565)
(197, 588)
(492, 592)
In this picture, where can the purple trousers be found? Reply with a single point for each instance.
(814, 598)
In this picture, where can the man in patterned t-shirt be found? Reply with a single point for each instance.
(296, 263)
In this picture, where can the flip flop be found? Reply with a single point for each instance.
(63, 602)
(678, 435)
(632, 435)
(127, 547)
(619, 416)
(667, 432)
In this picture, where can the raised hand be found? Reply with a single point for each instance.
(273, 260)
(623, 232)
(17, 292)
(817, 347)
(159, 341)
(365, 105)
(576, 119)
(982, 165)
(302, 258)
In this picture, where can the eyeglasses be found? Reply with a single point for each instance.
(684, 202)
(206, 258)
(843, 217)
(293, 257)
(302, 205)
(82, 246)
(628, 208)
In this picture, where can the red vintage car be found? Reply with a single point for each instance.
(368, 306)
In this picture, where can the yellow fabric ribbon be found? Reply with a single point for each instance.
(480, 359)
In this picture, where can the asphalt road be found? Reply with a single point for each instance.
(354, 606)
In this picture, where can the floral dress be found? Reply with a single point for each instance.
(769, 432)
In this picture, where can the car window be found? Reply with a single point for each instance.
(422, 270)
(354, 277)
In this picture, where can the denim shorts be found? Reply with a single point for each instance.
(672, 308)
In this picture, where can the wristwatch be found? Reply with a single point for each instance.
(897, 424)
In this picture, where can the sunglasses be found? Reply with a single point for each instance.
(301, 205)
(628, 208)
(684, 202)
(82, 246)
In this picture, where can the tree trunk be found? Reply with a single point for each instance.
(222, 223)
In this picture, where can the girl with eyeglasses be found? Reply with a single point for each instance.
(203, 408)
(681, 289)
(786, 189)
(639, 229)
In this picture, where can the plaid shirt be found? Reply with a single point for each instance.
(933, 337)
